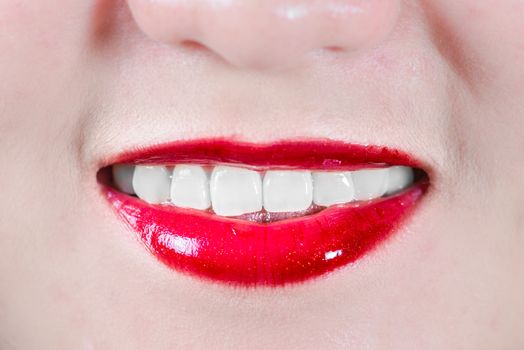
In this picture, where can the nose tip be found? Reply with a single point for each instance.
(267, 33)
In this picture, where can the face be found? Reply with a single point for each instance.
(85, 85)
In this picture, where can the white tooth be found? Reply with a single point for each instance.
(152, 183)
(235, 191)
(400, 177)
(190, 187)
(332, 188)
(286, 191)
(123, 177)
(369, 183)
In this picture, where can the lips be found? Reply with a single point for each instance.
(241, 252)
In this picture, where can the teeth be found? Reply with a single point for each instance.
(399, 178)
(190, 187)
(286, 191)
(123, 177)
(370, 183)
(235, 191)
(152, 183)
(332, 188)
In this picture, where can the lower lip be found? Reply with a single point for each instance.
(246, 253)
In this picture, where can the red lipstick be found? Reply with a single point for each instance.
(240, 252)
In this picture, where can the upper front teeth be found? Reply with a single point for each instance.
(233, 191)
(333, 188)
(370, 183)
(190, 187)
(152, 183)
(286, 191)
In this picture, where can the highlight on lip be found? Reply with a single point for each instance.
(254, 214)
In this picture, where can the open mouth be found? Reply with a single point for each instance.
(262, 214)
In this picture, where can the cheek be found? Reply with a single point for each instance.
(40, 86)
(495, 35)
(489, 36)
(41, 44)
(484, 42)
(32, 35)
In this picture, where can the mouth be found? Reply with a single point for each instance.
(262, 214)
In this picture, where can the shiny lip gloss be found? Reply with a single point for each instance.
(247, 253)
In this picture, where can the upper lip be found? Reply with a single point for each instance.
(241, 252)
(307, 153)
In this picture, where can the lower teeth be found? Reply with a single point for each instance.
(268, 217)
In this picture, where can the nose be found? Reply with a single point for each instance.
(267, 33)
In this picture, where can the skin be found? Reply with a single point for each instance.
(81, 81)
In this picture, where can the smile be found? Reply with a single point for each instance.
(262, 214)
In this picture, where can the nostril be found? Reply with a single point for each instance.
(335, 49)
(192, 45)
(197, 48)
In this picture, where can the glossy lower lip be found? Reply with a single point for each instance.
(246, 253)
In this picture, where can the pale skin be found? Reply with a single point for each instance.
(81, 81)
